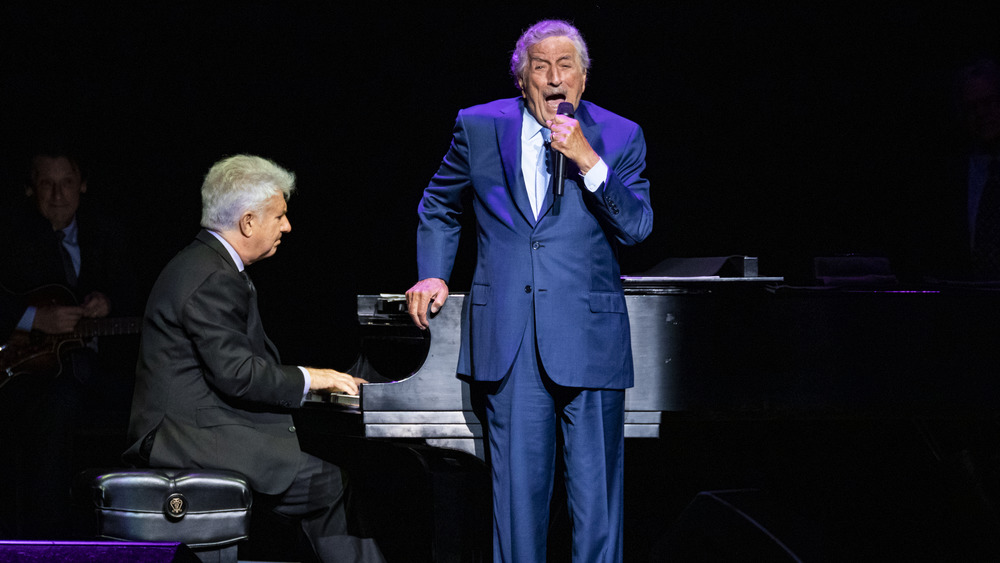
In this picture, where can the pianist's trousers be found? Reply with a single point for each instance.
(524, 416)
(316, 498)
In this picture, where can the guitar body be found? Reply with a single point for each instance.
(35, 353)
(43, 354)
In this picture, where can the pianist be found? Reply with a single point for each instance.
(546, 336)
(210, 389)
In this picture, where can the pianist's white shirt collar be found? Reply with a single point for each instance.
(232, 251)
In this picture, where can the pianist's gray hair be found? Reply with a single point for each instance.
(540, 32)
(238, 184)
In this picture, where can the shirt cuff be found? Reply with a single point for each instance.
(27, 319)
(308, 384)
(596, 176)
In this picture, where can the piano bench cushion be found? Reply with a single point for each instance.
(201, 508)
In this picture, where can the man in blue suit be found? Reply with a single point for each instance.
(546, 332)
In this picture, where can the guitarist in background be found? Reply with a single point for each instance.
(53, 239)
(53, 244)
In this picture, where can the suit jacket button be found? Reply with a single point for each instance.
(527, 289)
(291, 429)
(535, 246)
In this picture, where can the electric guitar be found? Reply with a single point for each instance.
(38, 353)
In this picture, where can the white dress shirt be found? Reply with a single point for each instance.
(536, 176)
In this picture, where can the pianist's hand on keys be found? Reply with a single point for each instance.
(334, 381)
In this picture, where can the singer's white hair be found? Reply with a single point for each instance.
(238, 184)
(540, 32)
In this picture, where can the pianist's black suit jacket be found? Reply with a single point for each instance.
(208, 380)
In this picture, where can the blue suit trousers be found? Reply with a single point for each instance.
(525, 416)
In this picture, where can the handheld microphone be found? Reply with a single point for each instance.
(565, 108)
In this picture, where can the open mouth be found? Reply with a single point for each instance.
(553, 100)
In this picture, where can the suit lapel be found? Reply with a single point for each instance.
(590, 129)
(508, 127)
(255, 327)
(259, 326)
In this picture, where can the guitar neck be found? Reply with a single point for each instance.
(87, 328)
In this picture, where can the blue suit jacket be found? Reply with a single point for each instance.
(566, 261)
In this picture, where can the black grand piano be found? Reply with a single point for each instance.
(745, 347)
(830, 394)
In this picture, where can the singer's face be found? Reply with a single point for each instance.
(553, 75)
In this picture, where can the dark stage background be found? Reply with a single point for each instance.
(783, 130)
(780, 131)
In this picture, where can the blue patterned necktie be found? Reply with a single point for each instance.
(544, 171)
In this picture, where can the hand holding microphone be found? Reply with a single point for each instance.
(565, 108)
(566, 134)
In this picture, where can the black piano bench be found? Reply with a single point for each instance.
(207, 510)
